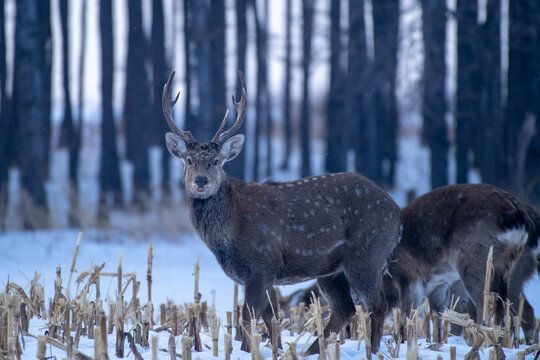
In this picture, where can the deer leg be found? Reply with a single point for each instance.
(523, 271)
(366, 283)
(256, 304)
(335, 289)
(271, 311)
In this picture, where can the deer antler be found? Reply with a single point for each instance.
(240, 106)
(167, 106)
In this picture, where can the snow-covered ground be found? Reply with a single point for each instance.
(173, 279)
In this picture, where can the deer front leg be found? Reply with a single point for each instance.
(256, 304)
(335, 289)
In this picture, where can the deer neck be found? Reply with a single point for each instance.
(211, 217)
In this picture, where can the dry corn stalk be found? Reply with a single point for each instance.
(228, 346)
(186, 346)
(489, 334)
(214, 330)
(487, 287)
(149, 272)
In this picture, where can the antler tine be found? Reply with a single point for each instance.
(240, 107)
(167, 106)
(215, 139)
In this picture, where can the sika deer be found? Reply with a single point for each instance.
(446, 237)
(337, 228)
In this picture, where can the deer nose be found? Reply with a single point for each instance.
(201, 181)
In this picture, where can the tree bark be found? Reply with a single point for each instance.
(136, 108)
(262, 98)
(68, 137)
(287, 86)
(160, 71)
(490, 101)
(523, 89)
(236, 168)
(204, 126)
(32, 141)
(468, 87)
(385, 37)
(4, 162)
(188, 116)
(110, 185)
(360, 102)
(336, 152)
(434, 97)
(307, 16)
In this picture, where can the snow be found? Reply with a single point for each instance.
(174, 260)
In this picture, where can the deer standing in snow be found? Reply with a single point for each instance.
(337, 228)
(445, 241)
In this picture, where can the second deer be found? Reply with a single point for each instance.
(445, 241)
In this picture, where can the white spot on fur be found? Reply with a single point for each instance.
(514, 237)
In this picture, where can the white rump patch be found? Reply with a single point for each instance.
(515, 237)
(441, 281)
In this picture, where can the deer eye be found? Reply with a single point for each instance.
(189, 161)
(216, 162)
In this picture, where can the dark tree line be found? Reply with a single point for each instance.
(492, 130)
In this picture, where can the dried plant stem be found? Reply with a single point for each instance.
(196, 296)
(487, 287)
(59, 345)
(186, 347)
(452, 353)
(228, 345)
(507, 325)
(149, 272)
(172, 347)
(42, 347)
(320, 329)
(155, 347)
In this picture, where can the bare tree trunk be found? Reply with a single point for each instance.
(336, 152)
(532, 165)
(4, 162)
(359, 102)
(287, 86)
(110, 185)
(217, 59)
(307, 12)
(262, 99)
(160, 70)
(136, 108)
(490, 106)
(385, 37)
(188, 117)
(434, 97)
(236, 168)
(467, 86)
(523, 89)
(29, 104)
(44, 9)
(68, 136)
(205, 125)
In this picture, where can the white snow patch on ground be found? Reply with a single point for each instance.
(42, 251)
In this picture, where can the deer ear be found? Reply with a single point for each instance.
(175, 145)
(232, 147)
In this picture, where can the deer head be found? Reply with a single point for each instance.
(203, 162)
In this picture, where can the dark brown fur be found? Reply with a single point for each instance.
(337, 228)
(445, 241)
